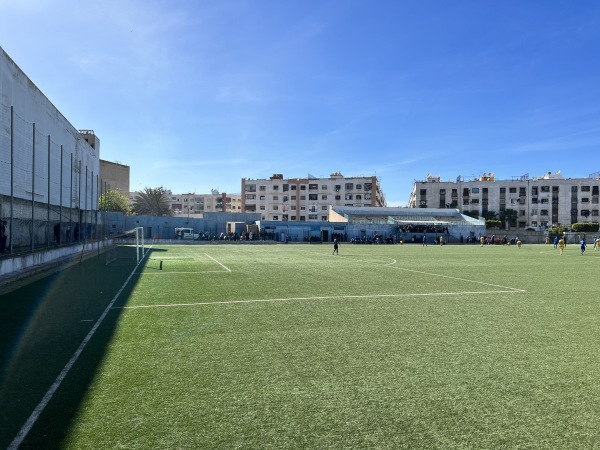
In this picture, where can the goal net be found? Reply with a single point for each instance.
(127, 246)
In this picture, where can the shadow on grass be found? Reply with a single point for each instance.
(41, 327)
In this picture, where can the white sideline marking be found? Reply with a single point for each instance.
(18, 440)
(224, 267)
(266, 300)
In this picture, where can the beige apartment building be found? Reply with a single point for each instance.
(114, 175)
(540, 202)
(308, 199)
(196, 204)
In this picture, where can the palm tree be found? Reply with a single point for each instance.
(152, 202)
(509, 216)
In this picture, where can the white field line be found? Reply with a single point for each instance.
(454, 278)
(18, 440)
(392, 266)
(175, 273)
(333, 297)
(224, 267)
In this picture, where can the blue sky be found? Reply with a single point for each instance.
(194, 95)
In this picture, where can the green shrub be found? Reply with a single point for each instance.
(493, 223)
(589, 227)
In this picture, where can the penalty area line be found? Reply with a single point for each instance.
(333, 297)
(224, 267)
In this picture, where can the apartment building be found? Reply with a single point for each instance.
(308, 199)
(114, 175)
(540, 202)
(191, 204)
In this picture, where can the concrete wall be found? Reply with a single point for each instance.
(48, 177)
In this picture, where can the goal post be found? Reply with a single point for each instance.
(133, 241)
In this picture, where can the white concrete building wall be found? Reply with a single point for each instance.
(53, 134)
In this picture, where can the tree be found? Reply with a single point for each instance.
(114, 200)
(490, 215)
(152, 202)
(509, 216)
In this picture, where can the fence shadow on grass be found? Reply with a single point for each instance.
(42, 325)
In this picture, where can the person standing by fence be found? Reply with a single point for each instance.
(3, 237)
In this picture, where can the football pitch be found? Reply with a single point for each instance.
(289, 346)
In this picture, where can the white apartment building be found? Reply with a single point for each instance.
(308, 199)
(540, 202)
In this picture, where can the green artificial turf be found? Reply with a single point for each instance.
(289, 346)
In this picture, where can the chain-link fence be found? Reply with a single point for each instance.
(49, 186)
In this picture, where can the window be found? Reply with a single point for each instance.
(585, 200)
(293, 187)
(303, 187)
(522, 212)
(338, 197)
(465, 192)
(324, 208)
(275, 217)
(293, 207)
(285, 198)
(594, 212)
(358, 187)
(262, 207)
(503, 190)
(313, 217)
(534, 212)
(323, 187)
(302, 218)
(544, 201)
(250, 188)
(512, 190)
(358, 197)
(522, 191)
(324, 197)
(302, 197)
(534, 200)
(465, 201)
(263, 197)
(475, 190)
(276, 198)
(302, 208)
(348, 197)
(544, 212)
(545, 188)
(594, 190)
(275, 208)
(368, 186)
(313, 196)
(262, 188)
(275, 187)
(284, 218)
(534, 190)
(313, 187)
(250, 196)
(338, 187)
(349, 186)
(286, 187)
(585, 212)
(475, 201)
(585, 189)
(324, 218)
